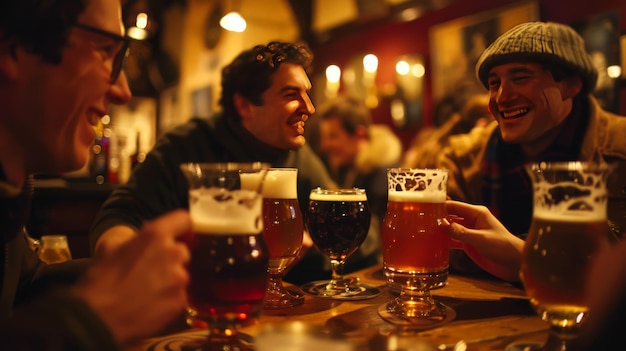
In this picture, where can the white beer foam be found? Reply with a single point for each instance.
(215, 211)
(281, 184)
(416, 196)
(250, 181)
(338, 197)
(571, 216)
(417, 185)
(571, 200)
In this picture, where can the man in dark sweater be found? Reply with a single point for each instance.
(60, 68)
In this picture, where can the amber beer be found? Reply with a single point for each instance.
(558, 254)
(338, 223)
(415, 243)
(229, 260)
(54, 249)
(282, 218)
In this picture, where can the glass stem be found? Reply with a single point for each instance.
(337, 268)
(275, 283)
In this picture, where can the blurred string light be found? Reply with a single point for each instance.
(370, 63)
(333, 73)
(333, 76)
(370, 67)
(614, 71)
(139, 31)
(232, 20)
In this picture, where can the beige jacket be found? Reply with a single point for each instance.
(605, 137)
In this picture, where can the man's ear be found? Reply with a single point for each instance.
(243, 106)
(8, 60)
(571, 86)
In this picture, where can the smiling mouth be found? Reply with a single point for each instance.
(515, 113)
(299, 127)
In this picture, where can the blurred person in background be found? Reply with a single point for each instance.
(424, 152)
(357, 151)
(358, 154)
(539, 79)
(60, 68)
(265, 104)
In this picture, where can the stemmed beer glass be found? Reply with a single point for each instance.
(415, 245)
(569, 228)
(229, 256)
(338, 221)
(283, 231)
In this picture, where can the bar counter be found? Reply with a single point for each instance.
(489, 314)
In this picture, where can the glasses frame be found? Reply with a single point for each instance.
(120, 56)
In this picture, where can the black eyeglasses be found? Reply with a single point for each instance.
(120, 56)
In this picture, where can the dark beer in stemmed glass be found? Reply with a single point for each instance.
(338, 221)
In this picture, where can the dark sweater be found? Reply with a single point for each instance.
(36, 310)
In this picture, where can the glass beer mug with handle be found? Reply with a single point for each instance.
(284, 228)
(569, 227)
(54, 249)
(229, 256)
(415, 246)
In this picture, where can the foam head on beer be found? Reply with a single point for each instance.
(277, 183)
(338, 195)
(217, 211)
(417, 185)
(581, 196)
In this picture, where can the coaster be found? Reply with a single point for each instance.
(416, 323)
(358, 291)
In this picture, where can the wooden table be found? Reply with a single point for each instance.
(489, 315)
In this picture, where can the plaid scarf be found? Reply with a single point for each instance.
(507, 188)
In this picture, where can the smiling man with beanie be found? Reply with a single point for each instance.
(539, 79)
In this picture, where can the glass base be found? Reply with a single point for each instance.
(417, 307)
(213, 343)
(345, 289)
(416, 323)
(282, 298)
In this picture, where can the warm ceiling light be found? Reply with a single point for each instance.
(233, 22)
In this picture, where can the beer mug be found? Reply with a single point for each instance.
(228, 268)
(569, 228)
(54, 249)
(415, 243)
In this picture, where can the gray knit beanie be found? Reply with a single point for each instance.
(541, 42)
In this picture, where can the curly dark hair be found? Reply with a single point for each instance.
(39, 26)
(250, 73)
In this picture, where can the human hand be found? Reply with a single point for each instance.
(485, 239)
(140, 286)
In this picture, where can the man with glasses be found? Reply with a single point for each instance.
(265, 104)
(60, 68)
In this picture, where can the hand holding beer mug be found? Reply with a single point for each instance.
(283, 232)
(229, 257)
(338, 222)
(569, 227)
(415, 246)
